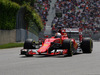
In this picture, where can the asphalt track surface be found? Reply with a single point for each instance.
(11, 63)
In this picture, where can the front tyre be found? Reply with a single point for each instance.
(67, 44)
(87, 45)
(28, 44)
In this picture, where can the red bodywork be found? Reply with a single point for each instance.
(47, 43)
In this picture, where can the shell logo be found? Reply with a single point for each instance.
(45, 45)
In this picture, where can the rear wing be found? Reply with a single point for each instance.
(73, 31)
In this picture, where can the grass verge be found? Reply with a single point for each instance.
(11, 45)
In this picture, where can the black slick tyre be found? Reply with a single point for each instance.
(67, 44)
(87, 45)
(50, 49)
(28, 44)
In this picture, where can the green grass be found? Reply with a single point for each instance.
(11, 45)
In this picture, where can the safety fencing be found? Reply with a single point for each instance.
(22, 35)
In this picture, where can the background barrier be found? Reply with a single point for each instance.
(7, 36)
(16, 35)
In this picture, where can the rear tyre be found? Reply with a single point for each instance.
(87, 45)
(67, 44)
(28, 44)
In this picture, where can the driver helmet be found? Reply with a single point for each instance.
(58, 35)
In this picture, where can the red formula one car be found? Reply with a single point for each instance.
(61, 43)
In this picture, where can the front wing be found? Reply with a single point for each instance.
(35, 52)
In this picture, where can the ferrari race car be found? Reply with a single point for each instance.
(62, 44)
